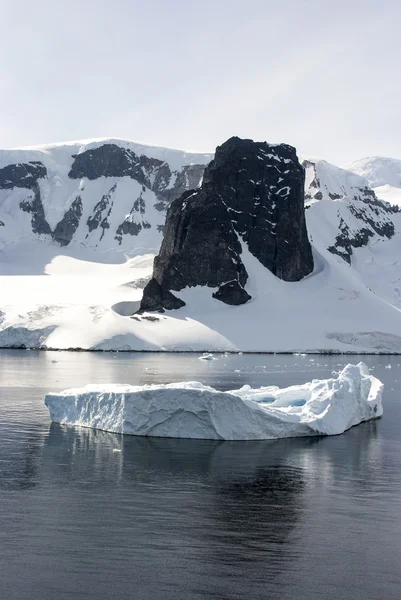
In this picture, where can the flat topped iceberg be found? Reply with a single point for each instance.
(193, 410)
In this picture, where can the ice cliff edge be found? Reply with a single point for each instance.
(192, 410)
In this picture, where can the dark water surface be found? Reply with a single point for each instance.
(86, 514)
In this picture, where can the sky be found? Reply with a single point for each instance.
(322, 75)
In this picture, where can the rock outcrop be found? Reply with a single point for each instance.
(111, 160)
(343, 205)
(103, 195)
(253, 194)
(26, 176)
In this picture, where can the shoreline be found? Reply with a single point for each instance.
(203, 351)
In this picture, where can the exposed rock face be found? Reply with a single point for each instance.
(23, 175)
(232, 293)
(252, 192)
(64, 232)
(101, 211)
(119, 190)
(370, 225)
(26, 175)
(356, 214)
(108, 160)
(33, 205)
(186, 179)
(160, 298)
(200, 245)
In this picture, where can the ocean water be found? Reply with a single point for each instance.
(88, 514)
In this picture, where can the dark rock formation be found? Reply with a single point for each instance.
(252, 192)
(361, 216)
(26, 175)
(65, 229)
(104, 204)
(188, 178)
(155, 183)
(160, 298)
(133, 222)
(34, 206)
(200, 245)
(108, 160)
(370, 225)
(22, 175)
(127, 227)
(232, 293)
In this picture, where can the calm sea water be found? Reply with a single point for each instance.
(87, 514)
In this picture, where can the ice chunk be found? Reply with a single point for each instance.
(206, 356)
(193, 410)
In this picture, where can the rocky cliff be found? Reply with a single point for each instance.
(102, 194)
(343, 211)
(252, 194)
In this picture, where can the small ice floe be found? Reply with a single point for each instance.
(206, 356)
(193, 410)
(116, 450)
(387, 367)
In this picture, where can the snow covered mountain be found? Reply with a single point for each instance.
(106, 194)
(344, 212)
(80, 224)
(383, 175)
(252, 194)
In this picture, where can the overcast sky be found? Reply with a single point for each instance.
(322, 75)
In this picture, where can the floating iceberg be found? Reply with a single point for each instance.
(193, 410)
(206, 356)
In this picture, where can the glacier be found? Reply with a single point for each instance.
(193, 410)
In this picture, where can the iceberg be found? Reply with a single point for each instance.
(193, 410)
(206, 356)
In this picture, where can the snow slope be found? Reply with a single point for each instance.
(383, 175)
(332, 309)
(378, 170)
(102, 194)
(192, 410)
(343, 212)
(80, 295)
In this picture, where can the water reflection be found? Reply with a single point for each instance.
(77, 452)
(232, 510)
(20, 463)
(89, 514)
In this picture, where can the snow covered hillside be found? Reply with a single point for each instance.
(383, 175)
(80, 224)
(105, 194)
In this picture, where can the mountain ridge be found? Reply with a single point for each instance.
(94, 258)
